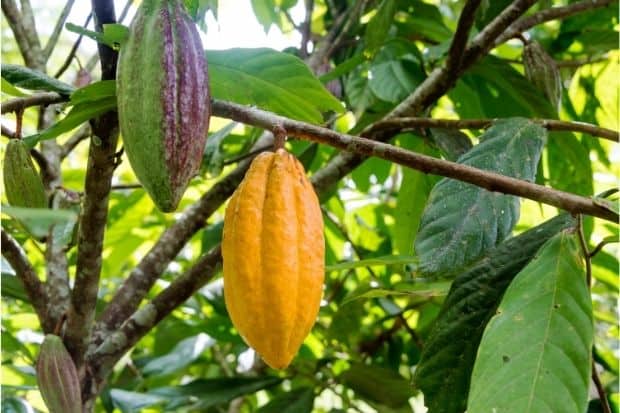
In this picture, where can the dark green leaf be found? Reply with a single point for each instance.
(300, 400)
(182, 355)
(378, 384)
(272, 80)
(13, 287)
(26, 78)
(78, 115)
(211, 236)
(461, 220)
(543, 328)
(378, 27)
(129, 402)
(451, 142)
(443, 372)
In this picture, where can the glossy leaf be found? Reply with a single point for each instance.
(272, 80)
(443, 373)
(26, 78)
(461, 220)
(182, 355)
(544, 326)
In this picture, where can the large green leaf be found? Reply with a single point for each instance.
(182, 355)
(378, 27)
(272, 80)
(461, 220)
(300, 400)
(130, 402)
(378, 384)
(535, 354)
(26, 78)
(443, 372)
(412, 196)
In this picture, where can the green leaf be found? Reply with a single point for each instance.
(31, 79)
(78, 115)
(213, 158)
(443, 373)
(368, 262)
(271, 80)
(265, 12)
(39, 220)
(488, 10)
(15, 405)
(378, 27)
(182, 355)
(114, 35)
(452, 142)
(544, 329)
(299, 400)
(9, 89)
(418, 289)
(93, 92)
(378, 384)
(461, 220)
(205, 393)
(412, 196)
(13, 287)
(129, 401)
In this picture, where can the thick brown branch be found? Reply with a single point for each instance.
(101, 165)
(60, 23)
(484, 179)
(409, 123)
(546, 15)
(459, 41)
(144, 319)
(45, 98)
(34, 288)
(24, 33)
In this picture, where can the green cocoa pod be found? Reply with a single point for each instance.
(163, 99)
(543, 72)
(22, 182)
(58, 378)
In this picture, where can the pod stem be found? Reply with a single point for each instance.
(279, 134)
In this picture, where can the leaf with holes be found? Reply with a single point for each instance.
(461, 220)
(543, 329)
(447, 359)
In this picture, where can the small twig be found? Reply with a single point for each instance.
(407, 123)
(73, 50)
(125, 186)
(459, 40)
(279, 134)
(584, 249)
(19, 118)
(51, 43)
(600, 389)
(306, 29)
(44, 98)
(26, 273)
(599, 247)
(546, 15)
(8, 133)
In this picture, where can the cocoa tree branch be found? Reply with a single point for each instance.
(484, 179)
(93, 217)
(409, 123)
(459, 41)
(546, 15)
(25, 33)
(37, 99)
(145, 318)
(51, 43)
(26, 273)
(73, 50)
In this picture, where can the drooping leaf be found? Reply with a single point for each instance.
(300, 400)
(378, 384)
(543, 332)
(205, 393)
(443, 373)
(130, 402)
(412, 196)
(461, 220)
(78, 115)
(378, 27)
(182, 355)
(9, 89)
(113, 35)
(13, 287)
(93, 92)
(31, 79)
(271, 80)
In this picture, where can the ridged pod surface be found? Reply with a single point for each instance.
(58, 378)
(273, 252)
(22, 182)
(163, 99)
(543, 72)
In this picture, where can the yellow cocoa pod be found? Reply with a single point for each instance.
(273, 251)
